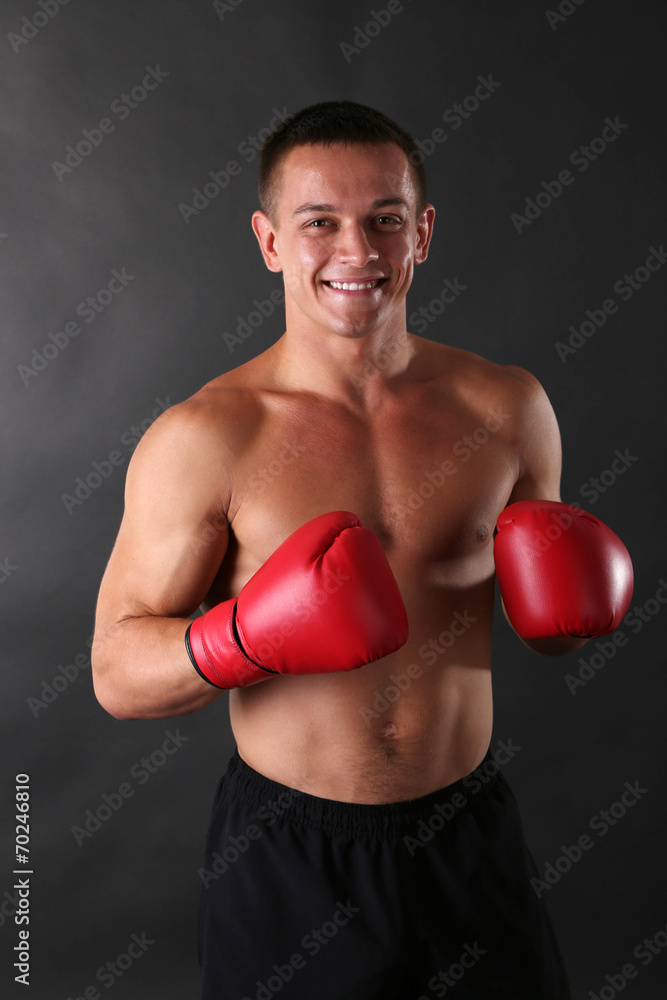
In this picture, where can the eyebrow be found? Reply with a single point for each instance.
(378, 203)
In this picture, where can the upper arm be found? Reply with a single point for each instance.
(174, 530)
(537, 441)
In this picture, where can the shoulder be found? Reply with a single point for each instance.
(532, 410)
(195, 445)
(521, 384)
(527, 413)
(219, 415)
(477, 380)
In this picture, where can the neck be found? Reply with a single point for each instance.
(357, 371)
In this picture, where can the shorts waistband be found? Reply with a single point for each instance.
(274, 801)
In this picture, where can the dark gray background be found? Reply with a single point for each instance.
(162, 337)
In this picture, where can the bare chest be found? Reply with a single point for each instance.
(428, 479)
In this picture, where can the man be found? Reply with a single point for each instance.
(351, 851)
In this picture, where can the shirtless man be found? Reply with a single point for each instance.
(351, 852)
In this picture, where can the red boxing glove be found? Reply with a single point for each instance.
(326, 600)
(560, 571)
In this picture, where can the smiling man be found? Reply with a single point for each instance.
(331, 505)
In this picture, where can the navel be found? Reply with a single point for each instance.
(390, 730)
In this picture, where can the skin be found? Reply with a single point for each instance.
(346, 411)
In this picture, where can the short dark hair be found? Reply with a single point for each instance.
(327, 123)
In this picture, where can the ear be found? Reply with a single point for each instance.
(424, 233)
(266, 237)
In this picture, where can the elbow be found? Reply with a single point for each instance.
(115, 706)
(107, 690)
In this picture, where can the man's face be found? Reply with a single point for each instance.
(346, 216)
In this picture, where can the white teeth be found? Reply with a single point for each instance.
(353, 286)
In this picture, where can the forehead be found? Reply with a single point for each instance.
(340, 173)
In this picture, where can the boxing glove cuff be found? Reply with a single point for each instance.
(216, 652)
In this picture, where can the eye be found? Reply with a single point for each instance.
(318, 223)
(388, 220)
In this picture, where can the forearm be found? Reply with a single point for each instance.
(141, 669)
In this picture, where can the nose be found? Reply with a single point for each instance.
(354, 246)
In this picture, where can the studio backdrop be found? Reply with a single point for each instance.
(130, 277)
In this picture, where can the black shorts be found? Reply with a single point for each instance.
(305, 898)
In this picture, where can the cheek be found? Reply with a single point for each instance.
(303, 261)
(404, 263)
(402, 253)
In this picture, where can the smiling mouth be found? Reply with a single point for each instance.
(355, 286)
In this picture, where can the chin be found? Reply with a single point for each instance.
(358, 328)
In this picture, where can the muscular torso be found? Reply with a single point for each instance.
(428, 470)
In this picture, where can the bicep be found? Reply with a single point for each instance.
(174, 531)
(538, 443)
